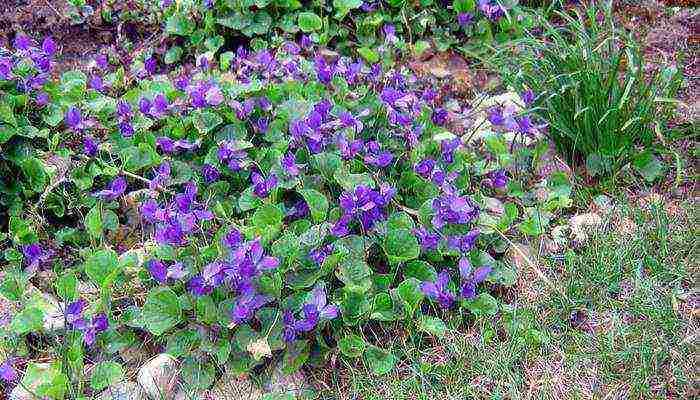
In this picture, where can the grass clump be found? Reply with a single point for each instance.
(590, 82)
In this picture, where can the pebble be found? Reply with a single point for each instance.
(123, 391)
(158, 377)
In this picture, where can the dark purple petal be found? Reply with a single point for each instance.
(158, 270)
(481, 273)
(8, 373)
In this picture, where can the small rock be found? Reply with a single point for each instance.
(580, 224)
(158, 377)
(19, 393)
(294, 383)
(494, 206)
(123, 391)
(519, 259)
(232, 387)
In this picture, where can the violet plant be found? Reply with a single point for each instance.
(287, 200)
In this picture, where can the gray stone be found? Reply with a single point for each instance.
(232, 387)
(123, 391)
(294, 383)
(158, 377)
(583, 223)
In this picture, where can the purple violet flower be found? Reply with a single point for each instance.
(102, 62)
(210, 173)
(470, 279)
(89, 146)
(318, 255)
(288, 162)
(315, 311)
(96, 83)
(438, 290)
(73, 118)
(126, 129)
(428, 241)
(425, 167)
(91, 328)
(453, 209)
(246, 305)
(162, 273)
(49, 46)
(42, 99)
(262, 186)
(499, 179)
(8, 371)
(34, 255)
(463, 243)
(465, 19)
(150, 65)
(439, 116)
(448, 147)
(160, 180)
(22, 42)
(115, 190)
(528, 97)
(377, 158)
(203, 284)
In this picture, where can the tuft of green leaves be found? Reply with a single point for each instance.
(591, 85)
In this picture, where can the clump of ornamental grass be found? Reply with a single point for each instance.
(591, 85)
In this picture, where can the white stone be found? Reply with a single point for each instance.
(123, 391)
(158, 377)
(582, 223)
(232, 387)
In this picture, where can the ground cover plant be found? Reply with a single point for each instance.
(239, 203)
(278, 206)
(361, 28)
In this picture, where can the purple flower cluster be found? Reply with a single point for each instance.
(471, 278)
(314, 130)
(89, 327)
(170, 146)
(364, 204)
(263, 186)
(35, 256)
(506, 119)
(8, 369)
(314, 311)
(235, 158)
(453, 209)
(115, 190)
(492, 9)
(164, 274)
(178, 219)
(440, 291)
(245, 262)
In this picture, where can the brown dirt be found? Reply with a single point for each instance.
(669, 36)
(78, 42)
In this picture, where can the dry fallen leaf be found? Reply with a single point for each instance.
(259, 348)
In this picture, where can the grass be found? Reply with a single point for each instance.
(592, 87)
(623, 331)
